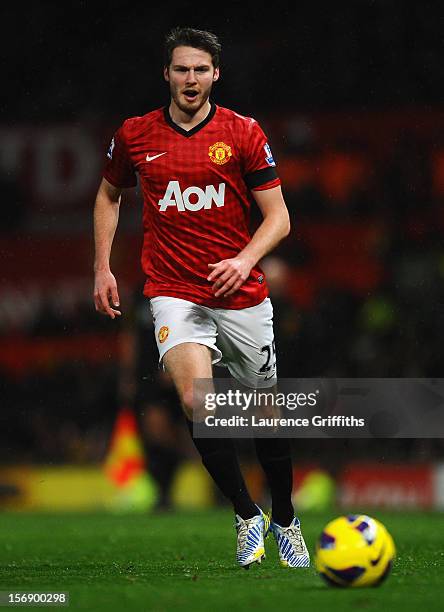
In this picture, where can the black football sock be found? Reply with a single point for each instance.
(220, 459)
(274, 455)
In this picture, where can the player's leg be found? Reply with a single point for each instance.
(186, 362)
(274, 455)
(246, 338)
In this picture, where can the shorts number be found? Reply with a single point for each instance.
(270, 363)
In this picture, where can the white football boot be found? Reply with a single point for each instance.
(293, 551)
(250, 538)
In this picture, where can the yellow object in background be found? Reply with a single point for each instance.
(192, 487)
(316, 493)
(48, 488)
(72, 488)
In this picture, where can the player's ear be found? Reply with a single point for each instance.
(216, 74)
(165, 74)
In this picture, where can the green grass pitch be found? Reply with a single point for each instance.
(185, 561)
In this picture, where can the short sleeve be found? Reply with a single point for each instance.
(260, 167)
(119, 170)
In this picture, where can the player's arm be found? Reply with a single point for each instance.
(230, 274)
(106, 217)
(274, 227)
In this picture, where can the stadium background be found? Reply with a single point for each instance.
(349, 95)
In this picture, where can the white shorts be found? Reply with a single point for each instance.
(241, 340)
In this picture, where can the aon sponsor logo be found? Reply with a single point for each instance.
(192, 198)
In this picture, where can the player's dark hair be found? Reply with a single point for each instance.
(189, 37)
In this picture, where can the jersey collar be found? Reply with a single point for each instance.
(196, 128)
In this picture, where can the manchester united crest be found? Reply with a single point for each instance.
(163, 333)
(219, 153)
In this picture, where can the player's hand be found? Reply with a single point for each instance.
(106, 297)
(229, 275)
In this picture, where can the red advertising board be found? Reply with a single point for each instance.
(396, 486)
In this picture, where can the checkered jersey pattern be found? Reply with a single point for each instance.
(196, 190)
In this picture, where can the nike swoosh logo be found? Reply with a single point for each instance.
(376, 561)
(148, 158)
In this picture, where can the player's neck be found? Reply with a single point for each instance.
(185, 121)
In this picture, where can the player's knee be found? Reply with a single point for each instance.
(186, 399)
(193, 404)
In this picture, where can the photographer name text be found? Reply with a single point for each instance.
(255, 421)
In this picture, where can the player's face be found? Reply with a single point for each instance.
(191, 75)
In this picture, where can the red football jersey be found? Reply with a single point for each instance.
(196, 195)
